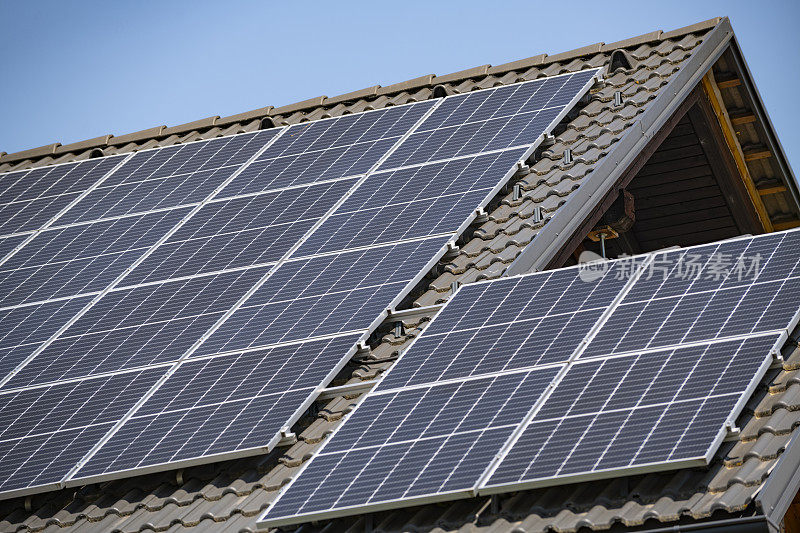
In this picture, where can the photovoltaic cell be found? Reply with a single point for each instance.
(483, 121)
(138, 325)
(221, 405)
(45, 431)
(30, 198)
(167, 178)
(642, 407)
(412, 443)
(7, 244)
(323, 295)
(138, 345)
(412, 202)
(243, 223)
(686, 297)
(328, 149)
(238, 232)
(72, 260)
(506, 325)
(633, 411)
(15, 323)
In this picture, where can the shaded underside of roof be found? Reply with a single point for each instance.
(229, 496)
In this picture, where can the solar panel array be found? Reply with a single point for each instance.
(562, 376)
(188, 302)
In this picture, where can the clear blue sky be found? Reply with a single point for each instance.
(76, 70)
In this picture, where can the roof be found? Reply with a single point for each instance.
(230, 495)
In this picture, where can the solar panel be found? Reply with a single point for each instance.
(326, 294)
(607, 403)
(47, 430)
(328, 149)
(413, 202)
(169, 177)
(241, 231)
(655, 409)
(403, 445)
(205, 258)
(83, 259)
(233, 404)
(484, 121)
(30, 199)
(673, 306)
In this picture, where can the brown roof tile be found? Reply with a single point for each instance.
(230, 495)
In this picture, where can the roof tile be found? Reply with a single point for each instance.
(461, 75)
(693, 28)
(83, 145)
(245, 117)
(369, 92)
(578, 52)
(137, 136)
(408, 85)
(30, 153)
(633, 41)
(195, 125)
(518, 64)
(299, 106)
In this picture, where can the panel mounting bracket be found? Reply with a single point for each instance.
(732, 431)
(777, 359)
(287, 437)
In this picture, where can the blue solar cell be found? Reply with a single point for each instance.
(58, 453)
(433, 180)
(392, 223)
(29, 199)
(32, 215)
(223, 404)
(653, 408)
(7, 244)
(490, 120)
(166, 301)
(413, 443)
(46, 182)
(188, 158)
(47, 430)
(36, 323)
(464, 353)
(86, 355)
(349, 145)
(323, 295)
(167, 178)
(412, 203)
(173, 437)
(703, 293)
(142, 196)
(73, 260)
(240, 232)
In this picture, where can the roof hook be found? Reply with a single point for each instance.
(266, 123)
(440, 91)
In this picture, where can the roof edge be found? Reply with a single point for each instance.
(375, 91)
(773, 141)
(782, 483)
(538, 254)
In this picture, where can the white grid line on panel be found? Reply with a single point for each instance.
(61, 213)
(494, 191)
(515, 436)
(122, 276)
(133, 369)
(241, 301)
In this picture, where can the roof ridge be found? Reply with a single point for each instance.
(375, 91)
